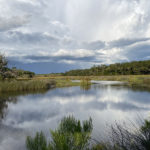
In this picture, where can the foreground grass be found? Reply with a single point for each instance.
(71, 134)
(28, 85)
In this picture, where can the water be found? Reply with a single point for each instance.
(106, 102)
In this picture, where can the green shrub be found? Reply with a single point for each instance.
(37, 143)
(70, 135)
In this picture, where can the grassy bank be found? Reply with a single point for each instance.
(28, 85)
(35, 84)
(65, 83)
(39, 83)
(132, 80)
(47, 82)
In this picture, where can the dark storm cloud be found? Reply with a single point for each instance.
(59, 58)
(139, 51)
(44, 67)
(126, 42)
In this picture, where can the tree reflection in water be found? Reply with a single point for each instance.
(12, 97)
(85, 87)
(4, 105)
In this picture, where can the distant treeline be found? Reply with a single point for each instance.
(128, 68)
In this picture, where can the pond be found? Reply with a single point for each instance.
(105, 102)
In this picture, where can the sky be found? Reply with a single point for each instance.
(48, 36)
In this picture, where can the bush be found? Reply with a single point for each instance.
(5, 72)
(37, 143)
(70, 135)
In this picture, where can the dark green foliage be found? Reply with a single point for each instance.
(145, 135)
(87, 125)
(70, 125)
(128, 68)
(70, 135)
(37, 143)
(22, 73)
(5, 72)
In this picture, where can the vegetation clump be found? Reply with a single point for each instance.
(70, 135)
(5, 72)
(124, 139)
(22, 73)
(29, 85)
(85, 81)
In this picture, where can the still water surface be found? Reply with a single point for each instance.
(106, 102)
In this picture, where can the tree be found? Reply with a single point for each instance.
(5, 72)
(3, 66)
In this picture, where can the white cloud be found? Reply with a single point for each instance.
(107, 19)
(75, 53)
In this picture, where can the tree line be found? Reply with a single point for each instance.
(127, 68)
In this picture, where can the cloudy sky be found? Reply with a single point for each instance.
(57, 35)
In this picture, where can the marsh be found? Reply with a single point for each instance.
(105, 102)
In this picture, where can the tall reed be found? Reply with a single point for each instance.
(29, 85)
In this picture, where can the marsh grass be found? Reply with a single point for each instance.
(132, 80)
(46, 82)
(85, 81)
(28, 85)
(122, 138)
(65, 83)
